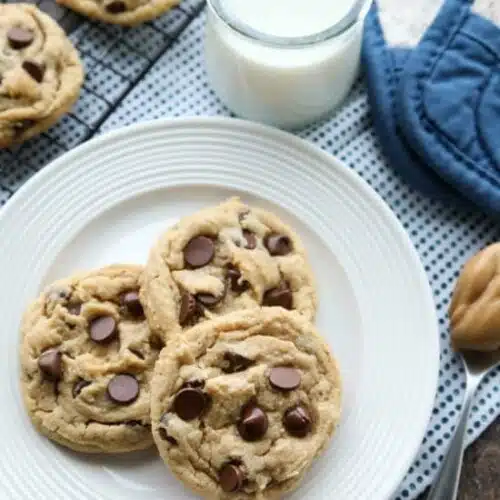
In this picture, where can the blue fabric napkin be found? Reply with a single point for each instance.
(449, 99)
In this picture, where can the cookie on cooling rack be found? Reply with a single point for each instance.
(221, 259)
(87, 358)
(243, 404)
(126, 12)
(40, 73)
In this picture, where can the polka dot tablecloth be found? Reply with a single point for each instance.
(165, 77)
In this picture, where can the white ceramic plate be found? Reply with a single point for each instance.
(107, 200)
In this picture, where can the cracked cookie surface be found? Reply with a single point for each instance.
(40, 73)
(221, 259)
(126, 12)
(241, 405)
(87, 358)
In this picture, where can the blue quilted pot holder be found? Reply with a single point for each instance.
(449, 99)
(383, 67)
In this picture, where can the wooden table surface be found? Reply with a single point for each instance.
(481, 470)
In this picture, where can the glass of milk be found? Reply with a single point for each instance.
(286, 63)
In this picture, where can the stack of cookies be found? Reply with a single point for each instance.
(209, 352)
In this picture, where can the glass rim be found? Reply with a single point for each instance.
(358, 9)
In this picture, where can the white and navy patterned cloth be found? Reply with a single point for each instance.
(157, 71)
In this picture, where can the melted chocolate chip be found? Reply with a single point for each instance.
(21, 126)
(19, 38)
(253, 423)
(284, 378)
(156, 343)
(123, 389)
(199, 251)
(231, 478)
(188, 308)
(280, 296)
(208, 300)
(190, 403)
(116, 7)
(163, 432)
(34, 69)
(297, 421)
(164, 435)
(49, 363)
(79, 385)
(250, 238)
(103, 329)
(234, 362)
(194, 383)
(278, 244)
(234, 276)
(137, 353)
(130, 301)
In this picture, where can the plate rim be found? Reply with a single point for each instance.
(280, 136)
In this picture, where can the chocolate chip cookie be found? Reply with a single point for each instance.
(242, 404)
(126, 12)
(40, 73)
(221, 259)
(87, 358)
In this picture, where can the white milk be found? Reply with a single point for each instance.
(289, 86)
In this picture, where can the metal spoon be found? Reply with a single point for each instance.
(477, 365)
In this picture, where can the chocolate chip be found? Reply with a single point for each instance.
(116, 7)
(123, 389)
(189, 403)
(21, 126)
(284, 378)
(188, 309)
(278, 244)
(79, 385)
(50, 364)
(231, 478)
(34, 69)
(194, 383)
(75, 309)
(130, 301)
(253, 423)
(156, 343)
(19, 38)
(297, 421)
(234, 276)
(137, 353)
(250, 238)
(208, 300)
(199, 251)
(103, 329)
(164, 435)
(234, 362)
(163, 432)
(280, 296)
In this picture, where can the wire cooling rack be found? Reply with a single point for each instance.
(115, 59)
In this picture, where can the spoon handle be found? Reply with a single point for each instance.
(448, 478)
